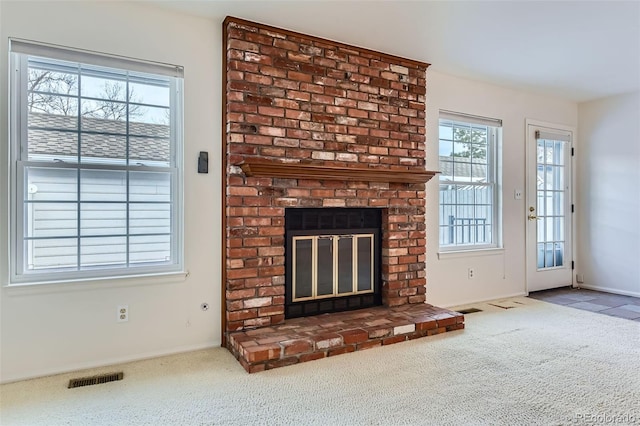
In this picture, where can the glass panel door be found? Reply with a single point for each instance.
(548, 213)
(550, 191)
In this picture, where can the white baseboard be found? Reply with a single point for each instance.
(608, 290)
(105, 363)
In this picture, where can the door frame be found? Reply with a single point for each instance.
(574, 153)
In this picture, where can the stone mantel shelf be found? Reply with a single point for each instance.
(279, 169)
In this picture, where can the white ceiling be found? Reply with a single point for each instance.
(577, 50)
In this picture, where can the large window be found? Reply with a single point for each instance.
(95, 165)
(469, 178)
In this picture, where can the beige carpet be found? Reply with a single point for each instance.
(535, 363)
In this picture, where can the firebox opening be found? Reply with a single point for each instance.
(332, 258)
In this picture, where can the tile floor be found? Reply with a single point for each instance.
(614, 305)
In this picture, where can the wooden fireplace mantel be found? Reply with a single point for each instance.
(278, 169)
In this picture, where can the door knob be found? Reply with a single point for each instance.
(532, 217)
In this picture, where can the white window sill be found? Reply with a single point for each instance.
(97, 283)
(454, 254)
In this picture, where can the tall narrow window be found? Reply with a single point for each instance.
(96, 165)
(469, 181)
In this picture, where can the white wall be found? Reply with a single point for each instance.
(609, 194)
(498, 274)
(68, 326)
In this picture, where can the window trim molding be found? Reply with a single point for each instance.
(18, 275)
(480, 251)
(106, 282)
(494, 163)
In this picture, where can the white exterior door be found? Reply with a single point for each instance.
(549, 208)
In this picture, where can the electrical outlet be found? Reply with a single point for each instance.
(123, 313)
(517, 194)
(470, 273)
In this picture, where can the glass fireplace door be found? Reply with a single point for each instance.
(332, 266)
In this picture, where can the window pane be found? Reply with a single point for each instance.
(52, 144)
(541, 202)
(446, 171)
(462, 170)
(540, 151)
(558, 203)
(365, 282)
(548, 152)
(103, 251)
(51, 184)
(104, 116)
(103, 219)
(479, 135)
(479, 173)
(558, 254)
(345, 264)
(45, 78)
(103, 185)
(548, 223)
(540, 177)
(444, 236)
(51, 219)
(112, 89)
(151, 149)
(65, 107)
(52, 254)
(149, 186)
(152, 218)
(558, 154)
(540, 230)
(149, 115)
(540, 255)
(156, 249)
(303, 268)
(548, 255)
(325, 266)
(51, 121)
(445, 149)
(150, 94)
(479, 153)
(558, 229)
(462, 149)
(548, 177)
(462, 133)
(103, 148)
(446, 132)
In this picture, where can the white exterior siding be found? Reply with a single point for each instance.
(103, 215)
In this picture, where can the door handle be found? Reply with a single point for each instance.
(532, 217)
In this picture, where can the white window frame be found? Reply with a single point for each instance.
(494, 159)
(20, 51)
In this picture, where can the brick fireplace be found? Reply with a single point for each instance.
(313, 123)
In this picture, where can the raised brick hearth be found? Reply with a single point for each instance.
(309, 122)
(307, 339)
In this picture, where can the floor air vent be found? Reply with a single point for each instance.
(95, 380)
(469, 311)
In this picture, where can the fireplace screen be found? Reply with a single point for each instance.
(332, 265)
(332, 260)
